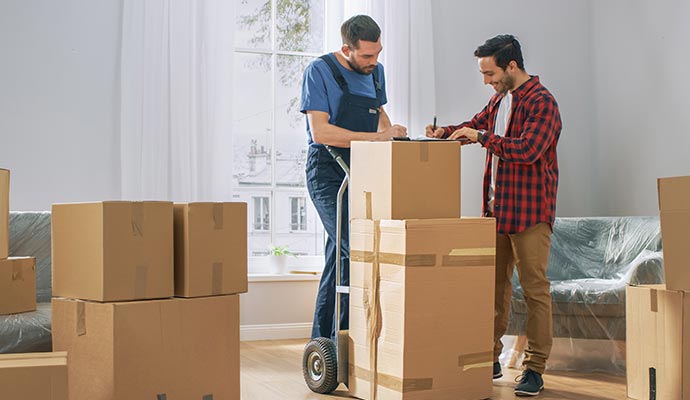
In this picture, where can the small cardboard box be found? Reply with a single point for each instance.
(210, 249)
(4, 212)
(173, 348)
(674, 206)
(113, 250)
(657, 342)
(422, 308)
(17, 285)
(35, 376)
(405, 180)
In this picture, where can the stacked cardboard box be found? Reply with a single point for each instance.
(658, 316)
(421, 278)
(114, 278)
(37, 376)
(17, 274)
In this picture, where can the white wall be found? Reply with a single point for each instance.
(59, 100)
(555, 37)
(640, 83)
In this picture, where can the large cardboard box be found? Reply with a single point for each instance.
(674, 205)
(422, 308)
(210, 249)
(405, 180)
(4, 212)
(112, 251)
(34, 376)
(657, 341)
(173, 348)
(17, 285)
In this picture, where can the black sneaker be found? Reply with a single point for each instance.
(497, 370)
(530, 383)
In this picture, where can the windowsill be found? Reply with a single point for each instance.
(283, 277)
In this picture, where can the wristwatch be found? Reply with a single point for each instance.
(480, 133)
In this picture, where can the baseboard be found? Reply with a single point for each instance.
(275, 331)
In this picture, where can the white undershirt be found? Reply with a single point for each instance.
(500, 128)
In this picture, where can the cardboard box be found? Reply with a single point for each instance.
(112, 251)
(4, 212)
(35, 376)
(17, 285)
(177, 348)
(405, 180)
(210, 249)
(657, 342)
(674, 204)
(434, 308)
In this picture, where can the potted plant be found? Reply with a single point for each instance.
(277, 259)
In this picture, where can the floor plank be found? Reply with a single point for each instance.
(272, 370)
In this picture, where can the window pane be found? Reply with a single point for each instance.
(258, 240)
(291, 135)
(300, 25)
(253, 27)
(252, 120)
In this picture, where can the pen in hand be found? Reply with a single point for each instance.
(434, 126)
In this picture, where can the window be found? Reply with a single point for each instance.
(298, 207)
(262, 214)
(274, 42)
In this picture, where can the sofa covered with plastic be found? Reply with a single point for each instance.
(30, 332)
(592, 260)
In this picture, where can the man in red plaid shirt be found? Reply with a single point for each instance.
(519, 129)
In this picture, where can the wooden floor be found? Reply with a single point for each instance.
(272, 370)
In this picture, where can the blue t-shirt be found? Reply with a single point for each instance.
(321, 92)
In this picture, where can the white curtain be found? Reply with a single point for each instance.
(176, 100)
(408, 57)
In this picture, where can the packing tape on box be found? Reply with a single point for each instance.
(137, 218)
(81, 318)
(423, 152)
(393, 382)
(367, 204)
(476, 360)
(474, 257)
(17, 271)
(141, 276)
(218, 216)
(653, 300)
(372, 309)
(217, 278)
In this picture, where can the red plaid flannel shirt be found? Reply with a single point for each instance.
(527, 174)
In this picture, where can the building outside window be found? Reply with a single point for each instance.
(298, 207)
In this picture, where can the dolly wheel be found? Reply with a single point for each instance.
(320, 366)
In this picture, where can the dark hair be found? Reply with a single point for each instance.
(359, 27)
(504, 49)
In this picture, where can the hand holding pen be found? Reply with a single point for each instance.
(434, 132)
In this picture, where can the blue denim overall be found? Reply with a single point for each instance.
(324, 176)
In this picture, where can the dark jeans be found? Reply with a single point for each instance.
(324, 177)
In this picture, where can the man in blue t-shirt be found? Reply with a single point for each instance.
(343, 94)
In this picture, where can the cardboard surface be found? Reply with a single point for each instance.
(210, 249)
(428, 287)
(674, 206)
(4, 212)
(180, 348)
(34, 376)
(405, 180)
(657, 340)
(17, 285)
(112, 251)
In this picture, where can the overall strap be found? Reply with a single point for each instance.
(336, 73)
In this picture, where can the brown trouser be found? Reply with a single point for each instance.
(529, 251)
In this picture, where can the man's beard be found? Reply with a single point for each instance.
(359, 69)
(507, 83)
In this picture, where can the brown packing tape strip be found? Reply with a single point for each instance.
(394, 383)
(475, 360)
(141, 276)
(367, 204)
(373, 312)
(81, 318)
(17, 271)
(467, 261)
(653, 300)
(423, 152)
(408, 260)
(217, 283)
(218, 216)
(361, 256)
(138, 218)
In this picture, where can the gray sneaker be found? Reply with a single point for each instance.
(530, 383)
(497, 370)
